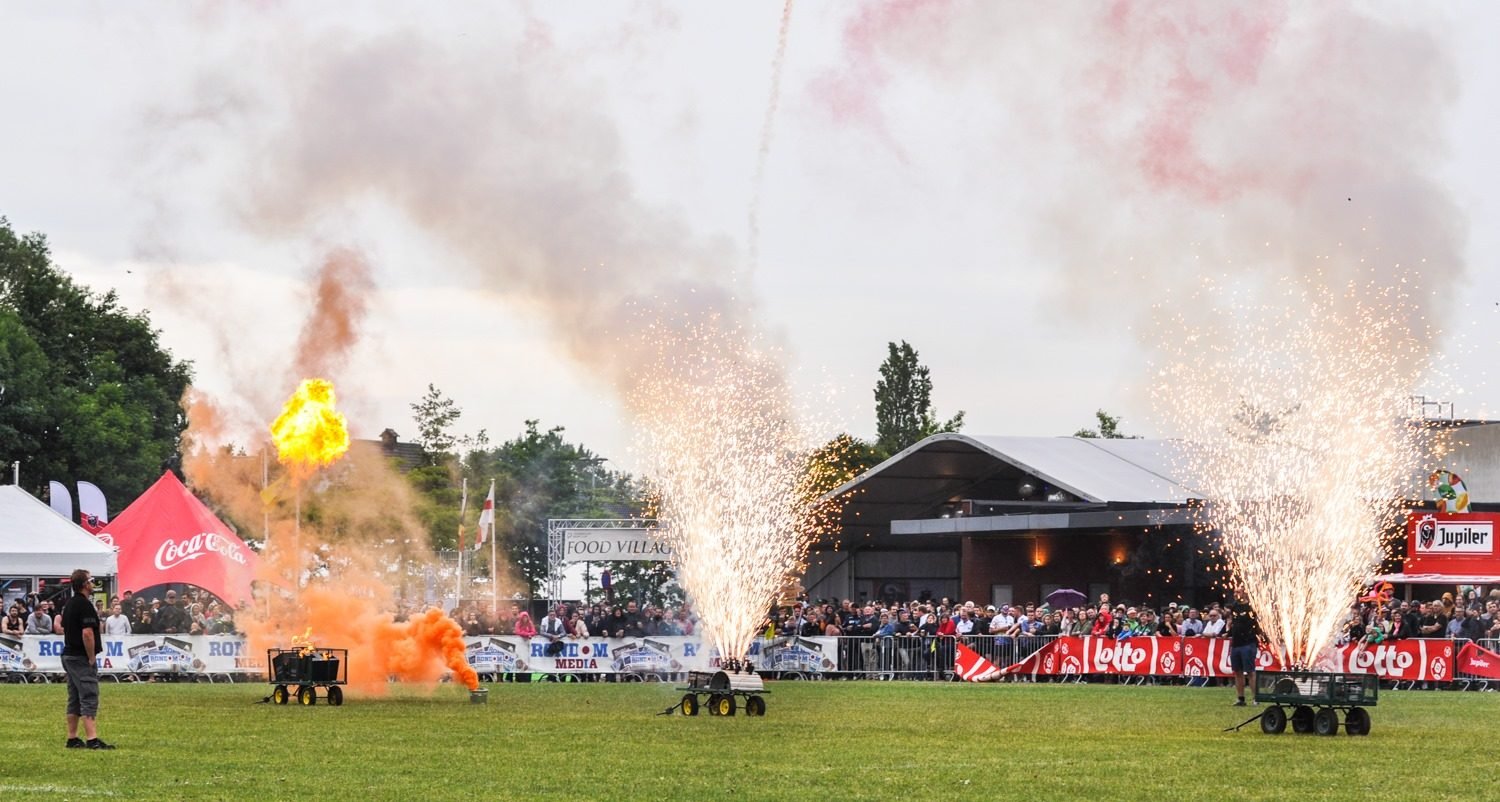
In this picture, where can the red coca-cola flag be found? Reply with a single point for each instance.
(168, 535)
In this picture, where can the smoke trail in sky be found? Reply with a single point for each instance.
(764, 152)
(1166, 141)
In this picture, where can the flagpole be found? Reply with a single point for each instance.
(463, 506)
(494, 578)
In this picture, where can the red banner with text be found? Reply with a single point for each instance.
(1424, 660)
(1478, 661)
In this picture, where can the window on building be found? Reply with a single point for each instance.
(1002, 594)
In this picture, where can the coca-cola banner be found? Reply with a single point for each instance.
(1426, 660)
(168, 535)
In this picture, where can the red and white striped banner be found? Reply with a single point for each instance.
(1423, 660)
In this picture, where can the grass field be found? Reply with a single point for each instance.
(818, 741)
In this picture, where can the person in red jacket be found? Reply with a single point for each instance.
(1101, 624)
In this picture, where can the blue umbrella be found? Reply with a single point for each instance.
(1064, 598)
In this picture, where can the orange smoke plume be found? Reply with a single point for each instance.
(341, 299)
(420, 650)
(309, 433)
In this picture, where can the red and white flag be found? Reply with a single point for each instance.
(486, 518)
(969, 665)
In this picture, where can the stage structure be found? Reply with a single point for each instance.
(573, 540)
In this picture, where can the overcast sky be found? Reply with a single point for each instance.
(136, 138)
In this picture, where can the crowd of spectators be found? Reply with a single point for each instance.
(628, 620)
(194, 612)
(917, 636)
(1467, 617)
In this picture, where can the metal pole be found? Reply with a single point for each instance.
(494, 577)
(16, 473)
(463, 506)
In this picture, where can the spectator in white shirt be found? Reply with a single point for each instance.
(116, 623)
(1215, 626)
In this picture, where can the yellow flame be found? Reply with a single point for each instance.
(310, 433)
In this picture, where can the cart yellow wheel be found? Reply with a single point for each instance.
(726, 704)
(280, 695)
(689, 705)
(307, 695)
(335, 695)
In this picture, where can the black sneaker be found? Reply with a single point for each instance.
(98, 744)
(1240, 703)
(75, 743)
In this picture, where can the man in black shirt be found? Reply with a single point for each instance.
(82, 640)
(1244, 639)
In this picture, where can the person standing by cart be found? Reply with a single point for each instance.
(1244, 643)
(82, 640)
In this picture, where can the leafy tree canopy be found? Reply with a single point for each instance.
(89, 394)
(1109, 428)
(903, 403)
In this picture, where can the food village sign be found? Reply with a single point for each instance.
(574, 540)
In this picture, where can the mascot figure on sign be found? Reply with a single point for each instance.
(1452, 496)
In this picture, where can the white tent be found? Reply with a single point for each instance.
(36, 541)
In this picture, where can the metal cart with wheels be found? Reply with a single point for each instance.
(299, 673)
(1315, 699)
(721, 691)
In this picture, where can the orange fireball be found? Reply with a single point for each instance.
(310, 433)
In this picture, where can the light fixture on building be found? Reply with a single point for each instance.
(1026, 489)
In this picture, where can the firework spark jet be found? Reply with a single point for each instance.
(1300, 445)
(729, 464)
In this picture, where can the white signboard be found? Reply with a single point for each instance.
(599, 545)
(1455, 537)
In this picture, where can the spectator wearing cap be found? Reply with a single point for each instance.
(173, 618)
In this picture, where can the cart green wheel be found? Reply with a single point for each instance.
(1357, 721)
(306, 695)
(1326, 721)
(280, 695)
(755, 706)
(726, 704)
(1273, 721)
(1302, 720)
(689, 704)
(335, 695)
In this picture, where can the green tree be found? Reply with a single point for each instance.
(111, 412)
(1109, 428)
(438, 480)
(903, 403)
(435, 416)
(540, 475)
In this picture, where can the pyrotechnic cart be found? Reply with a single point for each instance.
(308, 669)
(1315, 698)
(721, 690)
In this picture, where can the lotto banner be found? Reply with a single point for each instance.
(1425, 660)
